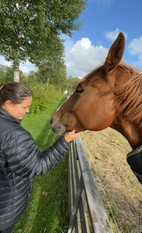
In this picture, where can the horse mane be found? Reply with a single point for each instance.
(129, 94)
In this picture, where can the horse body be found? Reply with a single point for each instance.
(109, 96)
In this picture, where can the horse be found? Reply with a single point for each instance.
(109, 96)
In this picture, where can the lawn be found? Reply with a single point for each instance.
(48, 208)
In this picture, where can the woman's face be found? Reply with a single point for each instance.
(18, 110)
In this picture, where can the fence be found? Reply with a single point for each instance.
(87, 212)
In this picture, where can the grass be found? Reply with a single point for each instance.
(48, 208)
(107, 151)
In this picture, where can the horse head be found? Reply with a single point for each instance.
(105, 97)
(108, 96)
(91, 106)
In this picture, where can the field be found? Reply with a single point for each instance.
(47, 210)
(107, 152)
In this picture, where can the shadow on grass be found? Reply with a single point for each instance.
(44, 213)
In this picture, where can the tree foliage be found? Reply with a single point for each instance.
(52, 72)
(71, 83)
(42, 96)
(6, 75)
(2, 76)
(31, 28)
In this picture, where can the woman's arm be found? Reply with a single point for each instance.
(25, 159)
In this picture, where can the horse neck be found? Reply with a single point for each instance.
(130, 130)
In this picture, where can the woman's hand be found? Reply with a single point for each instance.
(72, 136)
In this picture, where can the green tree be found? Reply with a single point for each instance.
(2, 76)
(53, 72)
(71, 83)
(8, 74)
(30, 29)
(29, 80)
(48, 67)
(62, 78)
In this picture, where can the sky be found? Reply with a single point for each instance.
(102, 20)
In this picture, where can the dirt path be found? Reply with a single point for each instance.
(107, 152)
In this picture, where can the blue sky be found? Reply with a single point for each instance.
(102, 20)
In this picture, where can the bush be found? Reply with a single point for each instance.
(43, 95)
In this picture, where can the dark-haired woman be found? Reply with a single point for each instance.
(20, 158)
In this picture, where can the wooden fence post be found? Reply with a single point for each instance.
(87, 212)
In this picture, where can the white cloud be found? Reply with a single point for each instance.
(135, 46)
(135, 49)
(82, 57)
(139, 61)
(113, 34)
(24, 67)
(8, 63)
(83, 43)
(27, 67)
(4, 62)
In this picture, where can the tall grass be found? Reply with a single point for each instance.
(47, 210)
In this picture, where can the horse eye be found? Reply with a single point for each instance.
(79, 90)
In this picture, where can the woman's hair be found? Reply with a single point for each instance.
(15, 92)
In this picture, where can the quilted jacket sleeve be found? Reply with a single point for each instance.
(25, 159)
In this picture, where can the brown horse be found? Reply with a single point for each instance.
(109, 96)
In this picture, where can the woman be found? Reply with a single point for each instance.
(20, 158)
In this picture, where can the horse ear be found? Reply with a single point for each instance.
(115, 53)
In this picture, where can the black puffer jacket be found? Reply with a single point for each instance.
(20, 162)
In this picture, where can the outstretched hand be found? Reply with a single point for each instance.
(72, 136)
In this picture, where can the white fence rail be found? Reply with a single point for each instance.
(87, 212)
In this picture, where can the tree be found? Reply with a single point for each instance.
(2, 76)
(29, 29)
(28, 79)
(52, 62)
(71, 83)
(53, 71)
(9, 74)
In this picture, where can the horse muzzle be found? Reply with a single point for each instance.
(57, 127)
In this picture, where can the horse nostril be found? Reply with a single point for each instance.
(51, 121)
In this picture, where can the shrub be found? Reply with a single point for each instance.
(53, 94)
(43, 95)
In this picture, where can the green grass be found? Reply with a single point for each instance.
(46, 213)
